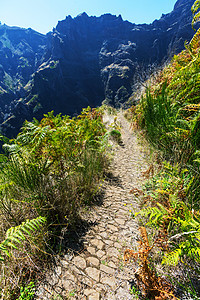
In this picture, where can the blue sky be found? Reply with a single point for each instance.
(43, 15)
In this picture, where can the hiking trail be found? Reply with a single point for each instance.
(95, 270)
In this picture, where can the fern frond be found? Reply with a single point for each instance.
(172, 258)
(154, 214)
(15, 235)
(196, 13)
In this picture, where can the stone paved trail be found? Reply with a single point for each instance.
(98, 271)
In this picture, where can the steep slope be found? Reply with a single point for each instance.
(88, 59)
(21, 52)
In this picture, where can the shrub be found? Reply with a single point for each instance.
(49, 171)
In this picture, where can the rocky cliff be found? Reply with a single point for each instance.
(83, 61)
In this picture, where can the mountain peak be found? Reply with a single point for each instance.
(83, 15)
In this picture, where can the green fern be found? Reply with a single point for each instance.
(196, 12)
(154, 215)
(172, 258)
(189, 247)
(15, 235)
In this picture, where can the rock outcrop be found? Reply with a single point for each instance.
(83, 61)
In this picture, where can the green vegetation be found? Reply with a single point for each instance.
(33, 99)
(169, 116)
(48, 173)
(27, 292)
(53, 64)
(116, 135)
(23, 62)
(8, 81)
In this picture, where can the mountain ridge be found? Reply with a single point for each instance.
(83, 61)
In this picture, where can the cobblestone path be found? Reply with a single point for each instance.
(97, 271)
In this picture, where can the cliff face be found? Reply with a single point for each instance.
(82, 62)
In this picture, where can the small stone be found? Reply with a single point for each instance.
(93, 273)
(114, 237)
(122, 212)
(94, 296)
(122, 277)
(98, 243)
(112, 227)
(101, 229)
(106, 269)
(68, 285)
(53, 278)
(75, 269)
(93, 261)
(109, 281)
(110, 297)
(103, 234)
(100, 253)
(117, 245)
(112, 252)
(104, 258)
(91, 250)
(85, 280)
(112, 265)
(68, 276)
(64, 263)
(88, 292)
(100, 288)
(58, 271)
(108, 242)
(79, 262)
(120, 221)
(115, 260)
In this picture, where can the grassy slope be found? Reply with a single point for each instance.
(169, 115)
(49, 172)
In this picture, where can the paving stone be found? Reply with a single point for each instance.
(93, 261)
(122, 276)
(108, 242)
(98, 243)
(79, 262)
(117, 245)
(58, 271)
(85, 280)
(111, 222)
(103, 234)
(110, 296)
(91, 250)
(68, 285)
(100, 253)
(112, 265)
(68, 276)
(107, 269)
(64, 263)
(75, 270)
(112, 252)
(101, 288)
(93, 273)
(109, 281)
(53, 278)
(94, 296)
(88, 292)
(120, 221)
(114, 237)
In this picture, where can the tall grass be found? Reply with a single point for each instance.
(50, 170)
(169, 115)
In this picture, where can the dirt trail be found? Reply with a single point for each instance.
(96, 270)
